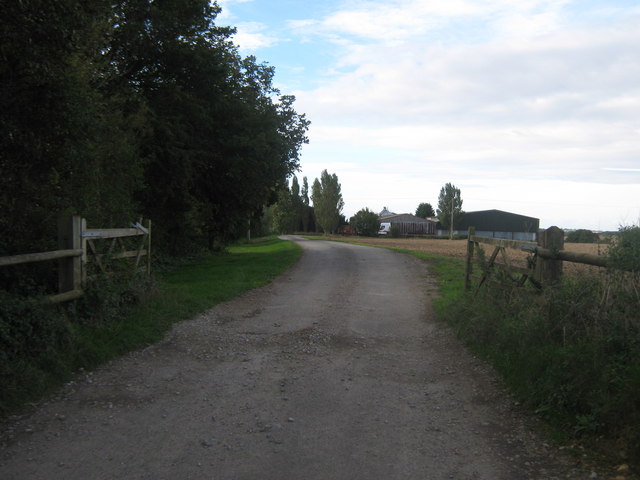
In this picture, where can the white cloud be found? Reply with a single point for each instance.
(227, 15)
(529, 106)
(252, 36)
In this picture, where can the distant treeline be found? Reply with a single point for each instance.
(136, 108)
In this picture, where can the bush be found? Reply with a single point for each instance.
(41, 345)
(582, 236)
(624, 253)
(571, 353)
(32, 335)
(366, 223)
(394, 231)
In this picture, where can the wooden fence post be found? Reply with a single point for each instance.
(469, 266)
(549, 271)
(70, 269)
(83, 245)
(148, 248)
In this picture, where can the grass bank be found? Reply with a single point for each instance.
(41, 347)
(571, 354)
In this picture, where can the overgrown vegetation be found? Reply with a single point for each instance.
(571, 353)
(41, 345)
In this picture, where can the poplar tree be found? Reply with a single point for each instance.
(327, 201)
(449, 206)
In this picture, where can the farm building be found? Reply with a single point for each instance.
(408, 224)
(500, 224)
(386, 212)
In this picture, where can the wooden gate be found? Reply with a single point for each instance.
(79, 252)
(543, 264)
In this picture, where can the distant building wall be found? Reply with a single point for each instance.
(498, 224)
(519, 236)
(410, 224)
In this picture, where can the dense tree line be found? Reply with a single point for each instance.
(120, 109)
(292, 212)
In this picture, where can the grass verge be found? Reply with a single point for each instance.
(41, 347)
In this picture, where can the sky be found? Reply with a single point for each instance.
(526, 106)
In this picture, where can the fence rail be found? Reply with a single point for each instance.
(39, 257)
(77, 250)
(544, 267)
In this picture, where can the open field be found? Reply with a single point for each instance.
(458, 249)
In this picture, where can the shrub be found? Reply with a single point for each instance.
(366, 222)
(572, 353)
(41, 344)
(624, 253)
(582, 236)
(32, 335)
(394, 231)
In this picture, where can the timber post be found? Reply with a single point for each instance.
(149, 248)
(469, 265)
(549, 270)
(70, 268)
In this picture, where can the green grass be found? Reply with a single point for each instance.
(96, 335)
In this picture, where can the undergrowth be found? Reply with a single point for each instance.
(571, 353)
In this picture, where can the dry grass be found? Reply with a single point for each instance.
(458, 249)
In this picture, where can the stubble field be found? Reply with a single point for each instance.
(458, 249)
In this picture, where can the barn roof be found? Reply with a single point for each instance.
(498, 221)
(386, 212)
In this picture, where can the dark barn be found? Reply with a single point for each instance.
(500, 224)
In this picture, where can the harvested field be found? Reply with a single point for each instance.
(458, 249)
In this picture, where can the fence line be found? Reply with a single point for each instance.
(543, 268)
(77, 250)
(39, 257)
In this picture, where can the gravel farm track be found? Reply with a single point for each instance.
(336, 370)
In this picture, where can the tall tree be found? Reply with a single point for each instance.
(65, 146)
(222, 137)
(112, 109)
(307, 211)
(305, 191)
(298, 203)
(283, 212)
(327, 201)
(449, 206)
(425, 210)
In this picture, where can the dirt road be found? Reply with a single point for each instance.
(336, 370)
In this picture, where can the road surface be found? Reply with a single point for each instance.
(336, 370)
